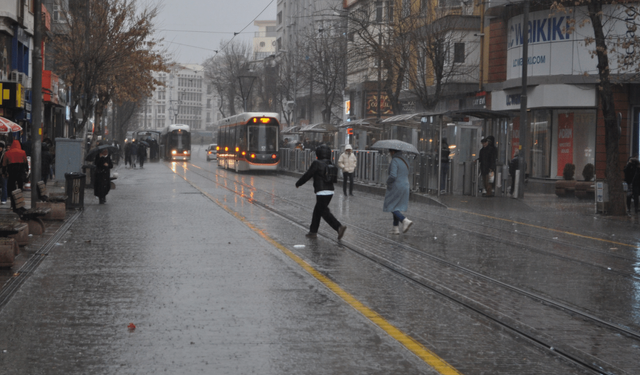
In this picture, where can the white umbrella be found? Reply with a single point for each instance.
(394, 144)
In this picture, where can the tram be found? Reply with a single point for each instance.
(249, 141)
(175, 142)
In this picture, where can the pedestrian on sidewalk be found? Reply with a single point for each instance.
(127, 154)
(102, 184)
(3, 180)
(15, 166)
(487, 157)
(142, 154)
(133, 150)
(323, 191)
(632, 178)
(347, 162)
(396, 199)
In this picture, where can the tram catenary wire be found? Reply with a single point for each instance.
(548, 301)
(538, 340)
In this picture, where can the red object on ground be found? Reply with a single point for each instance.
(131, 326)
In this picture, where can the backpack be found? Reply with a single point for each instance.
(330, 173)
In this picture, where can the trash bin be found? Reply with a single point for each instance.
(74, 188)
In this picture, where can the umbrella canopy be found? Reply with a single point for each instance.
(145, 144)
(96, 150)
(394, 144)
(7, 126)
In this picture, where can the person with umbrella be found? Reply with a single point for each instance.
(133, 151)
(396, 199)
(15, 166)
(102, 183)
(142, 152)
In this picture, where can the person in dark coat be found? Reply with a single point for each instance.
(324, 193)
(632, 178)
(396, 198)
(444, 165)
(133, 150)
(127, 154)
(15, 166)
(102, 183)
(142, 154)
(45, 162)
(488, 157)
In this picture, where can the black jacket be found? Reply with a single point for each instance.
(632, 174)
(488, 156)
(315, 170)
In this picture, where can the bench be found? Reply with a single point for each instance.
(55, 202)
(30, 215)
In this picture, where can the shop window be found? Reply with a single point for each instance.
(574, 140)
(539, 144)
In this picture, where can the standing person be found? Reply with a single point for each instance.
(324, 193)
(3, 180)
(45, 162)
(142, 154)
(102, 184)
(347, 162)
(513, 167)
(444, 165)
(127, 153)
(396, 199)
(133, 150)
(632, 178)
(15, 166)
(488, 156)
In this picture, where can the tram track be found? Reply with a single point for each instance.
(371, 246)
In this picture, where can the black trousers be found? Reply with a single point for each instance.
(349, 176)
(321, 210)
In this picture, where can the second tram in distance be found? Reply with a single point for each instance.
(175, 142)
(249, 141)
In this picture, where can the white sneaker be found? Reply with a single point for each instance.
(394, 230)
(406, 224)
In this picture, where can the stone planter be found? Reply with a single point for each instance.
(585, 189)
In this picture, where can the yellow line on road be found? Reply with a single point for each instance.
(545, 228)
(415, 347)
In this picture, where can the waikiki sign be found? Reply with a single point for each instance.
(553, 50)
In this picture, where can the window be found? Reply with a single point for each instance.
(379, 11)
(458, 53)
(390, 11)
(279, 18)
(406, 8)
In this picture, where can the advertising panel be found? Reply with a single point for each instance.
(565, 140)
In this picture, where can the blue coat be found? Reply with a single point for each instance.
(397, 195)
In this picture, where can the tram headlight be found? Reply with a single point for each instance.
(185, 152)
(217, 148)
(244, 153)
(253, 156)
(174, 152)
(273, 156)
(226, 148)
(237, 149)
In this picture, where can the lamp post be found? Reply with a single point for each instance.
(246, 82)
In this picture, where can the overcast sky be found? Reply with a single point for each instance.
(193, 29)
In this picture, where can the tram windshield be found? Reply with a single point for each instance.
(263, 138)
(180, 140)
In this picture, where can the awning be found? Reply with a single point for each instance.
(479, 113)
(291, 130)
(361, 124)
(319, 128)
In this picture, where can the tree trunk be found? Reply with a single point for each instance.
(612, 131)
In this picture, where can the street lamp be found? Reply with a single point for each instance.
(246, 82)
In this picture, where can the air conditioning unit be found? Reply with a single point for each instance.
(16, 76)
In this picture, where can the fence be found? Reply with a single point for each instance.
(372, 167)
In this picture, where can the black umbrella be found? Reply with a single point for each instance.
(145, 144)
(96, 150)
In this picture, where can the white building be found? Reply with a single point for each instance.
(184, 99)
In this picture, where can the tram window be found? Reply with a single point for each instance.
(263, 138)
(241, 133)
(232, 138)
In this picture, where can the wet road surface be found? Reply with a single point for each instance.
(210, 267)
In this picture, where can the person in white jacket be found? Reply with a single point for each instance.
(347, 162)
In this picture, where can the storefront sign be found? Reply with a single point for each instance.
(565, 140)
(11, 95)
(554, 50)
(372, 104)
(49, 87)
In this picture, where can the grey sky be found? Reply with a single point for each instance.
(206, 23)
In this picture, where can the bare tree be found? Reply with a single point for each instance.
(107, 51)
(614, 42)
(222, 71)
